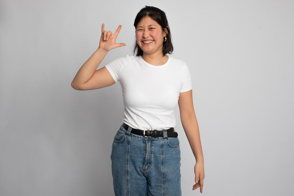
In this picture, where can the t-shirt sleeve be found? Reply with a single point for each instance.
(115, 67)
(186, 79)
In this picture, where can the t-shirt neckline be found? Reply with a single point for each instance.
(156, 66)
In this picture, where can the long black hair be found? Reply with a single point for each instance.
(159, 16)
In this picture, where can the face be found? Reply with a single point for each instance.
(149, 35)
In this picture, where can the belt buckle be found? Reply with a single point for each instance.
(144, 133)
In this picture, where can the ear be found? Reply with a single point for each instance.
(166, 31)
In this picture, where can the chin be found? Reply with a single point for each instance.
(147, 52)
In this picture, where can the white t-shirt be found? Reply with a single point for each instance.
(150, 92)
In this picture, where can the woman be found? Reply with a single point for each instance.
(145, 153)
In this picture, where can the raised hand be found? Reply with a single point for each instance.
(107, 39)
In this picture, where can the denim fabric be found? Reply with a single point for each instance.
(145, 166)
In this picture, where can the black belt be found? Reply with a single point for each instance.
(153, 133)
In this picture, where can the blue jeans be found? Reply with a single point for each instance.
(145, 166)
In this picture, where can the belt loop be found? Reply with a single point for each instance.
(164, 133)
(129, 130)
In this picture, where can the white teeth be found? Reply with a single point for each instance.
(148, 41)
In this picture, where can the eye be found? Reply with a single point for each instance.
(139, 29)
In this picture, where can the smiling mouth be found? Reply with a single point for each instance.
(147, 42)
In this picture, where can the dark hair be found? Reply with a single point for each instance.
(159, 16)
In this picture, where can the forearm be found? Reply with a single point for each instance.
(191, 129)
(89, 67)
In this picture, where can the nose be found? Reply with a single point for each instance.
(145, 33)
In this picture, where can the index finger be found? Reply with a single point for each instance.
(201, 185)
(117, 30)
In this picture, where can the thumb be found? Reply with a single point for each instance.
(120, 44)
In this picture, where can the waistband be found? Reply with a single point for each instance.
(152, 133)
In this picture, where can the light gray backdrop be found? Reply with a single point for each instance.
(57, 141)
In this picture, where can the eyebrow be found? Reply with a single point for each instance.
(148, 25)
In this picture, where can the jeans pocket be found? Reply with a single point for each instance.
(173, 142)
(119, 136)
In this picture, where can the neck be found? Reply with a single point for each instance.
(155, 58)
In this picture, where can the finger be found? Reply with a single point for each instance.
(120, 44)
(104, 35)
(201, 185)
(196, 177)
(195, 186)
(102, 28)
(117, 31)
(109, 33)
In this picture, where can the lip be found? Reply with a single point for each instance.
(147, 40)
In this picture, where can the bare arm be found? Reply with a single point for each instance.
(190, 124)
(88, 77)
(191, 128)
(88, 69)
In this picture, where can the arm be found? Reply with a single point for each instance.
(88, 77)
(88, 69)
(190, 124)
(191, 128)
